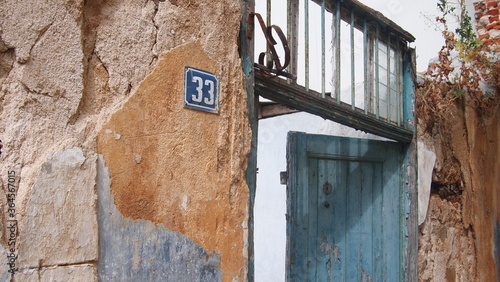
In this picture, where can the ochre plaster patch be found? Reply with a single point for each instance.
(184, 154)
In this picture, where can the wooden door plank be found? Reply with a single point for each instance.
(377, 230)
(366, 220)
(328, 224)
(353, 222)
(339, 213)
(323, 146)
(312, 239)
(391, 214)
(297, 207)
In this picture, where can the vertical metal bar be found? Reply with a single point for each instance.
(371, 70)
(289, 33)
(377, 82)
(306, 44)
(337, 51)
(268, 13)
(365, 62)
(323, 52)
(268, 23)
(399, 73)
(389, 77)
(292, 30)
(353, 73)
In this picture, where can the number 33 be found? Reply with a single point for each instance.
(199, 89)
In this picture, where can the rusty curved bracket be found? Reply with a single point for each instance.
(271, 42)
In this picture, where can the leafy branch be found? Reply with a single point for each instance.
(463, 61)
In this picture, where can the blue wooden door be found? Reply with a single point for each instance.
(344, 214)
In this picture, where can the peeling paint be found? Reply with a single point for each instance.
(186, 157)
(336, 253)
(139, 250)
(364, 276)
(329, 267)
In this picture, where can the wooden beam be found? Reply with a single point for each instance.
(295, 96)
(268, 110)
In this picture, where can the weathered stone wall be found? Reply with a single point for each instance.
(459, 238)
(113, 176)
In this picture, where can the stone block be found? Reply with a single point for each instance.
(60, 226)
(30, 275)
(74, 273)
(4, 274)
(492, 12)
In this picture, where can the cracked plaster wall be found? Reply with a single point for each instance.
(67, 67)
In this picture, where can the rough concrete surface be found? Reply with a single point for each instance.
(4, 274)
(67, 66)
(457, 241)
(124, 35)
(42, 82)
(30, 275)
(76, 273)
(155, 253)
(190, 176)
(61, 213)
(447, 247)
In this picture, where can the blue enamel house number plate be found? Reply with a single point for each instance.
(201, 90)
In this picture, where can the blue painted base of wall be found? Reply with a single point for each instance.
(497, 248)
(135, 250)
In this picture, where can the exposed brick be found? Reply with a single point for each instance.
(494, 25)
(493, 45)
(487, 42)
(484, 36)
(495, 42)
(488, 23)
(491, 4)
(492, 12)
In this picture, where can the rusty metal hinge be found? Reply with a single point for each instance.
(283, 177)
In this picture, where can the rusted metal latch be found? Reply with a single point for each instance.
(274, 61)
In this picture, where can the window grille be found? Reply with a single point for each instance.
(345, 55)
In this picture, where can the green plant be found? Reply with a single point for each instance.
(467, 36)
(476, 61)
